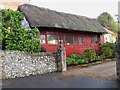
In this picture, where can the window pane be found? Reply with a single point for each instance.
(69, 40)
(92, 40)
(75, 40)
(42, 39)
(52, 39)
(80, 40)
(61, 39)
(98, 39)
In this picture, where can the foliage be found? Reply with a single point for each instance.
(74, 56)
(14, 36)
(107, 50)
(68, 61)
(82, 57)
(90, 54)
(83, 61)
(107, 21)
(99, 58)
(76, 59)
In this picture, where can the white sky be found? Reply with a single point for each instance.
(89, 8)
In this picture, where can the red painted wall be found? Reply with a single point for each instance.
(72, 48)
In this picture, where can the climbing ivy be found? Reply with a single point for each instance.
(14, 37)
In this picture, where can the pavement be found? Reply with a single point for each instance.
(97, 76)
(106, 70)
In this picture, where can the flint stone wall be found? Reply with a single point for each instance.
(20, 64)
(118, 56)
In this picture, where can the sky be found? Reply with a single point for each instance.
(88, 8)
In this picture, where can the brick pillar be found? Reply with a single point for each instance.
(61, 58)
(118, 56)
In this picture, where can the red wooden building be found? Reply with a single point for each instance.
(76, 32)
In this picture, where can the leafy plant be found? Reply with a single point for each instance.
(82, 57)
(83, 61)
(69, 61)
(90, 54)
(74, 56)
(75, 62)
(14, 37)
(75, 59)
(107, 50)
(98, 58)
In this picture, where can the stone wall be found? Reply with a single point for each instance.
(118, 56)
(21, 64)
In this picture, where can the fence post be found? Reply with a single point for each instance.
(61, 58)
(118, 56)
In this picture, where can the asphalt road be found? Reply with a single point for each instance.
(90, 77)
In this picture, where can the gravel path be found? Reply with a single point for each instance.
(105, 71)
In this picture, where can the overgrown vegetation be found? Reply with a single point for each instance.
(76, 59)
(82, 59)
(14, 37)
(106, 50)
(90, 54)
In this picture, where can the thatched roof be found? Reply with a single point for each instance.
(42, 17)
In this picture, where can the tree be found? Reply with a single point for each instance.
(107, 21)
(14, 37)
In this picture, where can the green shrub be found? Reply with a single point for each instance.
(90, 54)
(112, 46)
(82, 57)
(83, 61)
(75, 62)
(76, 59)
(43, 49)
(107, 50)
(98, 58)
(74, 56)
(69, 61)
(14, 37)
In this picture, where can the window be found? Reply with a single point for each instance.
(93, 39)
(75, 40)
(69, 40)
(42, 39)
(61, 39)
(98, 39)
(80, 40)
(52, 39)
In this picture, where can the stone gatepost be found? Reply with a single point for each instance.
(61, 58)
(118, 56)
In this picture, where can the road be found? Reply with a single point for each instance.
(105, 71)
(97, 76)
